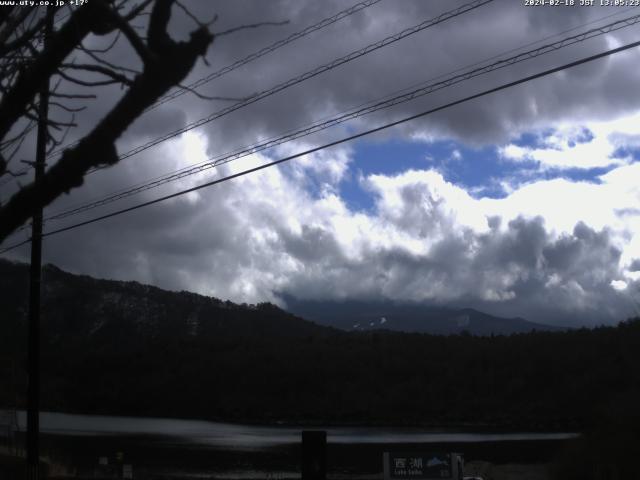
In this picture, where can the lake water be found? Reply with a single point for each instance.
(237, 436)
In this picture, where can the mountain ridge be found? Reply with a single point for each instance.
(377, 315)
(352, 315)
(119, 348)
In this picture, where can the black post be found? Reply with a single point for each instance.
(314, 455)
(33, 359)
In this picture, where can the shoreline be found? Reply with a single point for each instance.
(431, 427)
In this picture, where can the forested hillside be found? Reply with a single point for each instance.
(126, 348)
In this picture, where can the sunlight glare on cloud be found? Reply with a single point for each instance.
(619, 284)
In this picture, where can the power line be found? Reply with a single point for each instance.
(26, 170)
(383, 104)
(310, 74)
(306, 76)
(504, 86)
(251, 57)
(395, 93)
(266, 50)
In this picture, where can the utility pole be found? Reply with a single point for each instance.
(33, 360)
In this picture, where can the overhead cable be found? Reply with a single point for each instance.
(325, 22)
(504, 86)
(443, 17)
(266, 50)
(380, 105)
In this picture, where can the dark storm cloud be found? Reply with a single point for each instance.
(248, 247)
(253, 238)
(464, 40)
(516, 272)
(598, 90)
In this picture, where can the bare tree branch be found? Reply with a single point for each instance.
(134, 39)
(57, 142)
(165, 64)
(194, 18)
(51, 123)
(251, 25)
(79, 96)
(104, 62)
(137, 10)
(116, 37)
(61, 45)
(11, 22)
(114, 78)
(207, 97)
(67, 108)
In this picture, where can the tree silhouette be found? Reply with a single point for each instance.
(25, 64)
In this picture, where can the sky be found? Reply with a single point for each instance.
(525, 202)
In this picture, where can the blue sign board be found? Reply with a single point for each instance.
(420, 466)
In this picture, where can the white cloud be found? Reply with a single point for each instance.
(548, 247)
(619, 284)
(558, 248)
(591, 145)
(562, 203)
(550, 250)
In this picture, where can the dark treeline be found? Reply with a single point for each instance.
(125, 348)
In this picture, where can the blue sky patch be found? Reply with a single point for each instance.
(535, 139)
(584, 136)
(624, 152)
(590, 175)
(538, 140)
(479, 171)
